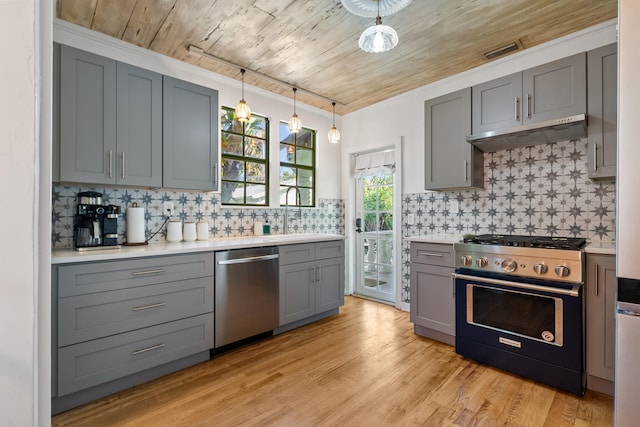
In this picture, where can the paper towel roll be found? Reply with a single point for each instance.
(135, 224)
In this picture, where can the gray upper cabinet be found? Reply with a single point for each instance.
(450, 162)
(139, 135)
(602, 81)
(497, 104)
(555, 90)
(550, 91)
(87, 117)
(110, 121)
(190, 136)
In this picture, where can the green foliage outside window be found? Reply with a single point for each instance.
(378, 202)
(245, 160)
(297, 166)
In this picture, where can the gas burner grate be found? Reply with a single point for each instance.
(568, 243)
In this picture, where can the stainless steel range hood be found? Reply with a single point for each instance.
(546, 132)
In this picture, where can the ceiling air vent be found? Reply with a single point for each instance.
(492, 54)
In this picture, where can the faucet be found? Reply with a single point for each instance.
(286, 208)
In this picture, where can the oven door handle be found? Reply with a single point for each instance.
(573, 292)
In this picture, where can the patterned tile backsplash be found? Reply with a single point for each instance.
(538, 191)
(328, 217)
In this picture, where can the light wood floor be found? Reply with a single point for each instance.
(364, 366)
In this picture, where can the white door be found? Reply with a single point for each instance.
(375, 275)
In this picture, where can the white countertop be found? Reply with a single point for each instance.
(436, 238)
(65, 256)
(604, 248)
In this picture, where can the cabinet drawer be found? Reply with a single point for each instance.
(87, 317)
(96, 362)
(291, 254)
(332, 249)
(433, 254)
(79, 279)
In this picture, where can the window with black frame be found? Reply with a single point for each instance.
(245, 160)
(297, 166)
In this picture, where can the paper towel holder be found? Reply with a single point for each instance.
(146, 242)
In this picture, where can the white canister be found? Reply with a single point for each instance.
(174, 231)
(202, 230)
(189, 232)
(257, 228)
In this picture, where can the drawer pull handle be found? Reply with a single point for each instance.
(144, 350)
(142, 273)
(423, 253)
(147, 307)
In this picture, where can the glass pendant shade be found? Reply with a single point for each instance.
(334, 133)
(243, 112)
(295, 124)
(378, 38)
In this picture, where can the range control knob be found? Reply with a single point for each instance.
(482, 262)
(466, 260)
(562, 270)
(540, 268)
(509, 265)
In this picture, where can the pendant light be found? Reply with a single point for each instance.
(243, 112)
(378, 38)
(295, 124)
(334, 133)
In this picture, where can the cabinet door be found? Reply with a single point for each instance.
(555, 90)
(497, 105)
(87, 117)
(297, 292)
(190, 136)
(432, 298)
(601, 304)
(139, 135)
(329, 284)
(450, 161)
(603, 111)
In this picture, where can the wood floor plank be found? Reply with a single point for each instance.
(364, 366)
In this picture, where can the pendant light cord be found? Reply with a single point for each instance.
(294, 100)
(242, 71)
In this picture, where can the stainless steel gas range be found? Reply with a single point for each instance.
(520, 307)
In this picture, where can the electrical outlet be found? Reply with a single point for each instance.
(454, 206)
(167, 209)
(411, 219)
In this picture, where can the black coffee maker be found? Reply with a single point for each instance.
(95, 224)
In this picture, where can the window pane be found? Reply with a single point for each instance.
(233, 170)
(306, 197)
(287, 175)
(385, 198)
(370, 198)
(257, 126)
(255, 148)
(304, 157)
(232, 193)
(285, 135)
(228, 121)
(304, 138)
(231, 144)
(287, 153)
(370, 223)
(305, 178)
(256, 172)
(256, 194)
(386, 221)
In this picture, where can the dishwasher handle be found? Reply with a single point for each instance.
(248, 259)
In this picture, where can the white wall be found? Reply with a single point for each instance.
(18, 186)
(403, 115)
(276, 107)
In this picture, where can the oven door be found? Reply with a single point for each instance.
(527, 326)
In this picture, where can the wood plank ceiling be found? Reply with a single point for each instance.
(313, 44)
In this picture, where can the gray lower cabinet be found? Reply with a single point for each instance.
(311, 280)
(432, 298)
(190, 136)
(602, 81)
(114, 322)
(549, 91)
(600, 297)
(110, 121)
(450, 161)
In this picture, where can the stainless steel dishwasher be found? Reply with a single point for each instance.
(246, 293)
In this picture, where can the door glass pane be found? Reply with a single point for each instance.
(370, 222)
(385, 221)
